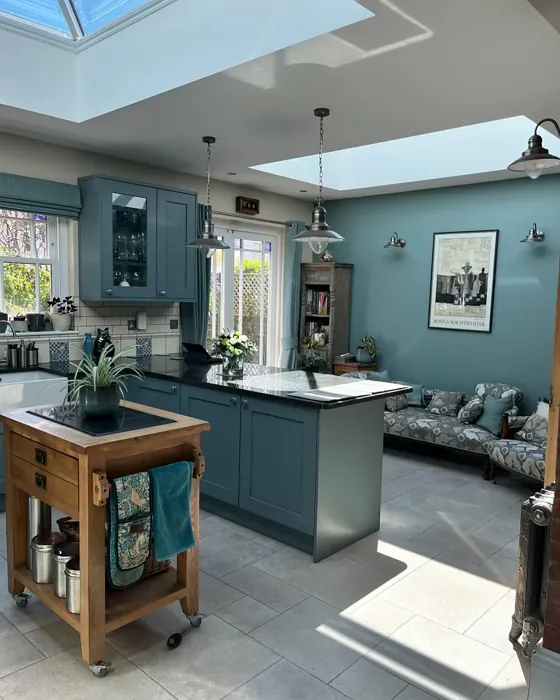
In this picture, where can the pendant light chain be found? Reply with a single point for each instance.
(208, 155)
(321, 139)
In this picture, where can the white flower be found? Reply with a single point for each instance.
(243, 339)
(234, 341)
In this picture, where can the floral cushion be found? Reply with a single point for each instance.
(519, 456)
(396, 403)
(472, 411)
(417, 424)
(535, 430)
(445, 403)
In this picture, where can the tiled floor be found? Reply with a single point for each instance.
(418, 611)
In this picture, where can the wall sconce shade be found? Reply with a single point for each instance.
(534, 235)
(395, 243)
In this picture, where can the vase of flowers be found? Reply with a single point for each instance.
(99, 385)
(61, 312)
(235, 348)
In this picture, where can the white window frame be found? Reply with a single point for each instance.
(57, 248)
(231, 229)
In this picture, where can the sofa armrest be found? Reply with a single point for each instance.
(513, 412)
(517, 422)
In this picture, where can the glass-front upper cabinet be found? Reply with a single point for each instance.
(130, 256)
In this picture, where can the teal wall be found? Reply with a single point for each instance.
(391, 288)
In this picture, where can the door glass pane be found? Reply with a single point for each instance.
(19, 288)
(215, 306)
(129, 241)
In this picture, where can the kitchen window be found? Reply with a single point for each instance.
(33, 261)
(244, 289)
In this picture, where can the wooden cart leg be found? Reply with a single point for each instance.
(187, 562)
(16, 525)
(92, 568)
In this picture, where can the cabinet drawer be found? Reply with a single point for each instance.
(47, 459)
(40, 483)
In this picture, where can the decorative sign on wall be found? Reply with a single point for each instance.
(462, 286)
(247, 205)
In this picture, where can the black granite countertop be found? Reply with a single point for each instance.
(257, 379)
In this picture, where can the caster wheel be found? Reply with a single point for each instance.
(21, 600)
(174, 641)
(196, 621)
(100, 669)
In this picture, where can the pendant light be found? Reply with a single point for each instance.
(207, 239)
(318, 234)
(534, 235)
(536, 159)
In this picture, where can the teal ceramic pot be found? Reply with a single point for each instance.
(100, 402)
(363, 356)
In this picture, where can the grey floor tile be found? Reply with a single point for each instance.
(315, 637)
(267, 589)
(55, 637)
(215, 594)
(207, 528)
(66, 676)
(246, 614)
(411, 692)
(366, 681)
(224, 552)
(209, 664)
(16, 652)
(26, 619)
(284, 681)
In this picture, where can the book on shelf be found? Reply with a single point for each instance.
(318, 302)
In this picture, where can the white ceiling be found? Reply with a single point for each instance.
(417, 67)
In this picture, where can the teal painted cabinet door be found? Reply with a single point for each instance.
(157, 393)
(2, 470)
(176, 263)
(278, 462)
(220, 445)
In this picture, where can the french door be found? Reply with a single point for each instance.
(244, 290)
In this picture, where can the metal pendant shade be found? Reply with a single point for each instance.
(318, 233)
(395, 243)
(207, 239)
(536, 159)
(534, 235)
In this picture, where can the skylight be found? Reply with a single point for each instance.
(467, 150)
(89, 15)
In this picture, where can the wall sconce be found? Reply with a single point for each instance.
(395, 243)
(534, 235)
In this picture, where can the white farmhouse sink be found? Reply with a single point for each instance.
(32, 388)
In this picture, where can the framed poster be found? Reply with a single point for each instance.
(462, 285)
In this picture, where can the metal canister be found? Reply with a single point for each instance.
(38, 522)
(73, 585)
(42, 560)
(62, 554)
(32, 357)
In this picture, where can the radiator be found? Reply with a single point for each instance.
(534, 553)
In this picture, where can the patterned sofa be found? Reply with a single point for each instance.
(523, 453)
(416, 423)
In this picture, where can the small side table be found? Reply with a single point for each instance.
(343, 367)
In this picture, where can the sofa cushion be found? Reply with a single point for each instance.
(472, 411)
(372, 376)
(416, 396)
(445, 403)
(396, 403)
(493, 414)
(535, 430)
(519, 456)
(417, 424)
(499, 391)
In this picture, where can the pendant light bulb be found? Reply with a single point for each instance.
(207, 240)
(318, 234)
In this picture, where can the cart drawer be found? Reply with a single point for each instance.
(47, 459)
(40, 483)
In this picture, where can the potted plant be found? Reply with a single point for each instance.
(61, 312)
(19, 323)
(310, 360)
(235, 348)
(367, 350)
(99, 386)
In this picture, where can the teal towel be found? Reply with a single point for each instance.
(171, 511)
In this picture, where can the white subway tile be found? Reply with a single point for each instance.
(159, 345)
(172, 345)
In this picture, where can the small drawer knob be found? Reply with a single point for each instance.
(108, 291)
(162, 293)
(40, 480)
(40, 457)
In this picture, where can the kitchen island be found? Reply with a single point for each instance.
(294, 455)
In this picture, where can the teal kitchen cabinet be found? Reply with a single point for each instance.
(2, 471)
(220, 445)
(278, 459)
(132, 242)
(157, 393)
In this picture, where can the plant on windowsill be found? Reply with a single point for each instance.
(235, 348)
(19, 323)
(61, 313)
(98, 386)
(367, 350)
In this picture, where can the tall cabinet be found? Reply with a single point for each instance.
(326, 294)
(132, 241)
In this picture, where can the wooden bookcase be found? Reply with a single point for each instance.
(326, 293)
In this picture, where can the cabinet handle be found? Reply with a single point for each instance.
(174, 388)
(108, 291)
(162, 293)
(233, 400)
(244, 403)
(40, 457)
(40, 480)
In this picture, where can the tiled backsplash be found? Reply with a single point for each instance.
(115, 316)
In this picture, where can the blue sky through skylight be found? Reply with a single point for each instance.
(467, 150)
(95, 14)
(46, 13)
